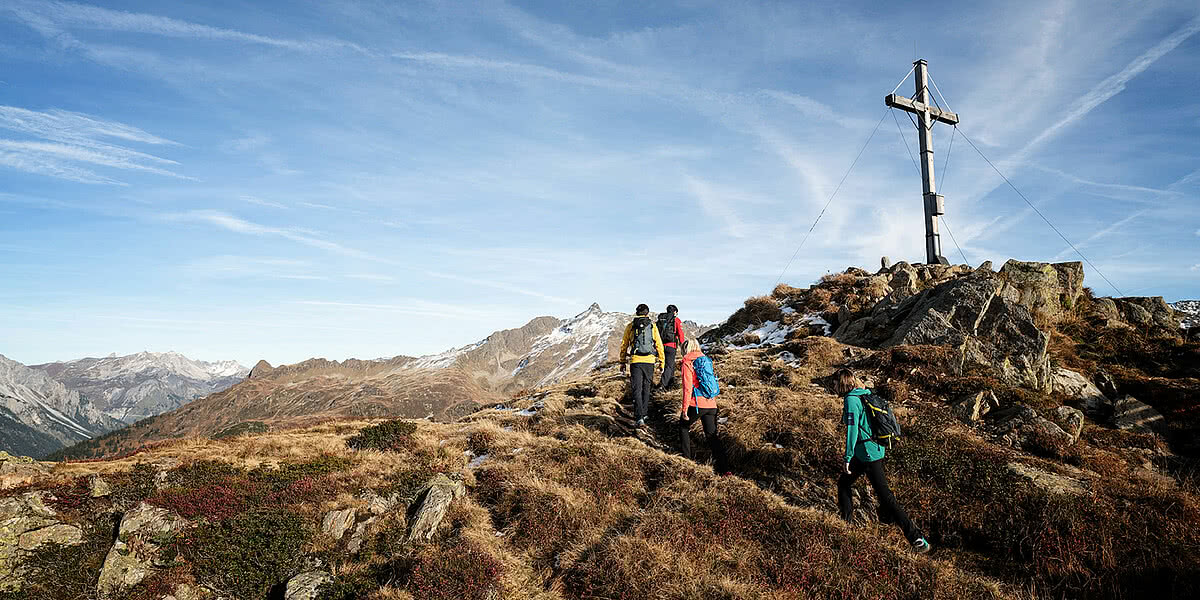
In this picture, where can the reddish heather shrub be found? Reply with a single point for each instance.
(461, 571)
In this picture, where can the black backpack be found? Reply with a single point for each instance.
(643, 337)
(666, 327)
(883, 422)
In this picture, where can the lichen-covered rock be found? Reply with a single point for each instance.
(972, 408)
(336, 522)
(100, 487)
(432, 503)
(1045, 289)
(27, 522)
(1077, 387)
(59, 533)
(1131, 414)
(19, 470)
(306, 585)
(143, 532)
(359, 537)
(1052, 483)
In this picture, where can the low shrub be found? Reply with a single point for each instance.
(459, 571)
(57, 572)
(245, 556)
(387, 436)
(244, 428)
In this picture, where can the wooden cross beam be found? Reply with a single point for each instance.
(906, 104)
(927, 115)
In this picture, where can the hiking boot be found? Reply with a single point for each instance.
(641, 422)
(921, 546)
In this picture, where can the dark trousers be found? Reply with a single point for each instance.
(641, 383)
(887, 502)
(708, 417)
(668, 368)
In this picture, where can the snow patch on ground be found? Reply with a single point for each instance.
(773, 333)
(1188, 312)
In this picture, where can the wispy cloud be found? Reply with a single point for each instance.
(68, 14)
(261, 202)
(67, 139)
(1115, 227)
(231, 223)
(1111, 86)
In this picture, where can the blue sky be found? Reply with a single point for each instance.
(297, 179)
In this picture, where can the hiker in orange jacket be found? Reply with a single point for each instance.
(697, 407)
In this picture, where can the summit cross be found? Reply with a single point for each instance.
(927, 113)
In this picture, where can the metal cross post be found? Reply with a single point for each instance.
(926, 115)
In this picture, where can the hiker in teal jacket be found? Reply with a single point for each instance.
(865, 455)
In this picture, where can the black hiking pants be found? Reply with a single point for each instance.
(668, 368)
(708, 417)
(887, 502)
(641, 383)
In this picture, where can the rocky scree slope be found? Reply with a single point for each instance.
(131, 388)
(441, 387)
(39, 415)
(1025, 490)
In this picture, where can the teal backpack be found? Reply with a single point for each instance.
(706, 377)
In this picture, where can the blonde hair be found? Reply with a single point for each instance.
(845, 382)
(690, 345)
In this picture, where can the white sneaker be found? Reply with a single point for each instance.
(921, 546)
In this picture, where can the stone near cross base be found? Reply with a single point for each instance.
(972, 408)
(1076, 387)
(884, 263)
(1131, 414)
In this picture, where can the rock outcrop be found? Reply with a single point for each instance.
(992, 319)
(27, 522)
(431, 505)
(143, 533)
(306, 585)
(19, 470)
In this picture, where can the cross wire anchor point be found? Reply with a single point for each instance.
(927, 114)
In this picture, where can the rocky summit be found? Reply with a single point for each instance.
(1048, 450)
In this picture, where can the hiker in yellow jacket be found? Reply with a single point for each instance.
(643, 346)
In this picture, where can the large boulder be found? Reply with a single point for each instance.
(1044, 289)
(138, 551)
(1131, 414)
(1075, 386)
(26, 524)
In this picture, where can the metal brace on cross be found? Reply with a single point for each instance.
(927, 113)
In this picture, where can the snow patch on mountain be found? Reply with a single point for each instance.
(579, 342)
(1189, 313)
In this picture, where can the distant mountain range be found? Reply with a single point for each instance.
(442, 386)
(45, 407)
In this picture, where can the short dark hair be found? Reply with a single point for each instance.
(671, 308)
(643, 310)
